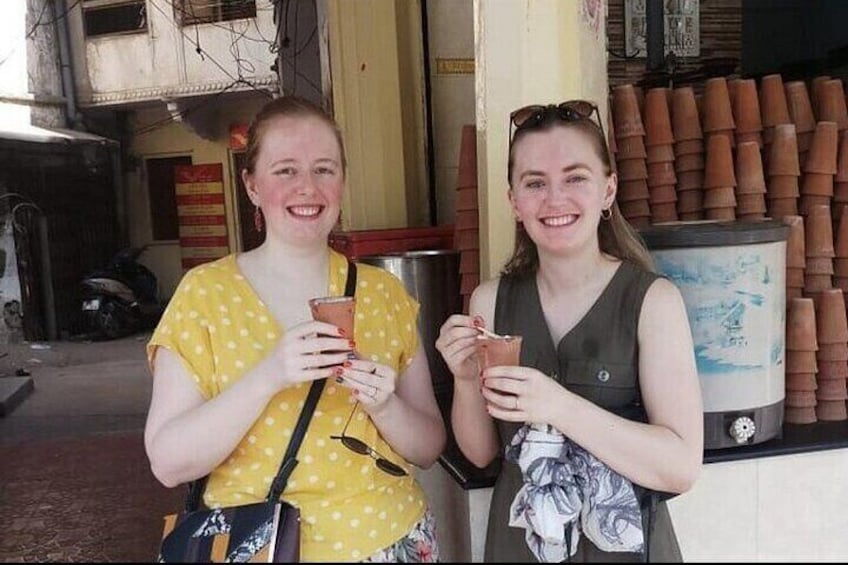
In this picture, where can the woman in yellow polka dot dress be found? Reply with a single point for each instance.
(236, 351)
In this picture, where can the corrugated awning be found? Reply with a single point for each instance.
(35, 134)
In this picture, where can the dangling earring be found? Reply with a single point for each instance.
(606, 213)
(257, 219)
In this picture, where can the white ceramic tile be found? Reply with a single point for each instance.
(802, 507)
(717, 520)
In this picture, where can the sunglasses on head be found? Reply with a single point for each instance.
(358, 446)
(533, 116)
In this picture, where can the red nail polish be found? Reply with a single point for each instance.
(342, 332)
(477, 321)
(338, 371)
(352, 344)
(347, 364)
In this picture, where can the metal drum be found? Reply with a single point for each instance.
(733, 280)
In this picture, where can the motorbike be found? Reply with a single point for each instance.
(121, 298)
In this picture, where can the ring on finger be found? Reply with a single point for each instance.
(516, 404)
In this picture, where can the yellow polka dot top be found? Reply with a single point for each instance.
(349, 508)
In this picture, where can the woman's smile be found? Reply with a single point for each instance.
(560, 221)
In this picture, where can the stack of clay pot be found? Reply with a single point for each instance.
(819, 167)
(840, 181)
(801, 364)
(818, 246)
(719, 180)
(815, 90)
(796, 259)
(832, 355)
(689, 154)
(746, 111)
(659, 143)
(801, 113)
(466, 231)
(830, 103)
(750, 182)
(840, 248)
(773, 109)
(633, 196)
(783, 172)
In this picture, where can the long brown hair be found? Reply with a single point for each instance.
(616, 236)
(286, 107)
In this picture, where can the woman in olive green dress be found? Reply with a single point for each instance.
(607, 359)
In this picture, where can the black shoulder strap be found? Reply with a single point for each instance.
(289, 462)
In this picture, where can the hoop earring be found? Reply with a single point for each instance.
(606, 214)
(257, 219)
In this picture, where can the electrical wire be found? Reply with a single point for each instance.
(39, 23)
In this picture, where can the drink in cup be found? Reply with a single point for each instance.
(336, 310)
(493, 351)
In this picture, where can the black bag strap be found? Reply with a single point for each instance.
(289, 462)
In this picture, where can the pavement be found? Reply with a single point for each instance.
(75, 483)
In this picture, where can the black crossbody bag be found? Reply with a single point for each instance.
(262, 532)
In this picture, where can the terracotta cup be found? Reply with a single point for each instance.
(831, 351)
(801, 325)
(746, 107)
(750, 204)
(720, 197)
(773, 108)
(831, 411)
(662, 194)
(493, 352)
(816, 85)
(749, 169)
(832, 369)
(783, 151)
(690, 180)
(685, 118)
(690, 201)
(800, 108)
(800, 399)
(632, 147)
(689, 147)
(716, 110)
(629, 190)
(780, 207)
(831, 389)
(800, 381)
(635, 208)
(783, 186)
(817, 184)
(626, 115)
(795, 277)
(824, 150)
(799, 416)
(660, 154)
(830, 103)
(661, 173)
(831, 323)
(801, 361)
(718, 169)
(819, 266)
(727, 214)
(692, 162)
(336, 310)
(840, 244)
(842, 159)
(657, 119)
(818, 232)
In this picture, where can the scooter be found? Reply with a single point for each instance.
(122, 298)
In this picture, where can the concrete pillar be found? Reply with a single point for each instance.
(544, 51)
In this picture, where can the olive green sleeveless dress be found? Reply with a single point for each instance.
(598, 360)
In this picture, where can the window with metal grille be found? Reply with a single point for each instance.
(105, 17)
(190, 12)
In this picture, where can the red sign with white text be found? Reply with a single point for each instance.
(201, 213)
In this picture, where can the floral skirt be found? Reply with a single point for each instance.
(418, 546)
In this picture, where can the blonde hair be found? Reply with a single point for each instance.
(616, 236)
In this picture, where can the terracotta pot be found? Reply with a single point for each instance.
(665, 212)
(818, 232)
(690, 180)
(635, 208)
(749, 169)
(831, 389)
(632, 169)
(746, 107)
(660, 154)
(662, 194)
(692, 162)
(793, 292)
(817, 184)
(800, 399)
(831, 323)
(720, 197)
(783, 152)
(629, 190)
(840, 267)
(631, 148)
(840, 192)
(840, 244)
(831, 351)
(689, 147)
(831, 411)
(807, 201)
(800, 381)
(467, 173)
(728, 133)
(799, 416)
(690, 216)
(819, 266)
(747, 204)
(817, 283)
(657, 119)
(723, 214)
(625, 112)
(805, 140)
(800, 361)
(842, 159)
(783, 186)
(823, 152)
(795, 277)
(690, 201)
(800, 108)
(795, 254)
(639, 222)
(661, 173)
(755, 137)
(833, 369)
(718, 171)
(773, 106)
(780, 207)
(685, 117)
(830, 103)
(815, 90)
(715, 106)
